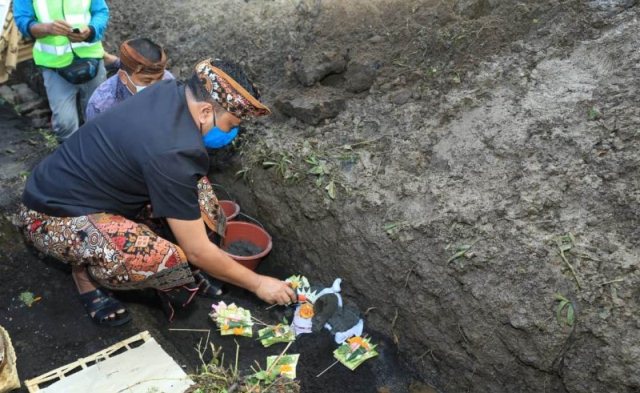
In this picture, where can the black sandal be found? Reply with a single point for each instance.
(102, 306)
(207, 285)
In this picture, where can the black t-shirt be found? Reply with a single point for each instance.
(145, 149)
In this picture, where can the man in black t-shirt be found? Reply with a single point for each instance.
(82, 203)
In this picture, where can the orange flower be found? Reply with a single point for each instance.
(357, 341)
(306, 311)
(286, 368)
(225, 327)
(238, 331)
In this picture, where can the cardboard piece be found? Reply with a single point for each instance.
(147, 368)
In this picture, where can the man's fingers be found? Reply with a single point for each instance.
(285, 298)
(61, 29)
(291, 294)
(62, 23)
(57, 30)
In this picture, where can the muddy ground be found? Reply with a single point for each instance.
(407, 133)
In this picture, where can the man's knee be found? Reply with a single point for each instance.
(65, 121)
(62, 98)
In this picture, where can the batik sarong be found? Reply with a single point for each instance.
(119, 253)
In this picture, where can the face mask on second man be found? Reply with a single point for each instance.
(135, 86)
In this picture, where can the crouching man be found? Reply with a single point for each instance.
(84, 203)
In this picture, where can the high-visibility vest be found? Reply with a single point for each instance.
(56, 51)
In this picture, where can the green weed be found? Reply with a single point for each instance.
(393, 229)
(28, 298)
(565, 243)
(331, 189)
(565, 312)
(282, 166)
(50, 140)
(244, 174)
(462, 251)
(593, 114)
(215, 377)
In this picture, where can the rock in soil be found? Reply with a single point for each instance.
(315, 67)
(359, 77)
(313, 106)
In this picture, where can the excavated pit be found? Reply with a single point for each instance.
(433, 155)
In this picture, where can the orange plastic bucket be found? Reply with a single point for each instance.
(250, 233)
(230, 209)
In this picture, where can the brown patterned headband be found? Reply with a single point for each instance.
(137, 63)
(228, 93)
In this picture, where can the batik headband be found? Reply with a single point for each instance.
(228, 93)
(137, 63)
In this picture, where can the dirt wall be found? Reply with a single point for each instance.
(464, 166)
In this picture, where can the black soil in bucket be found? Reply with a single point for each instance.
(242, 248)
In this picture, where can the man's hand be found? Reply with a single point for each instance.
(193, 240)
(84, 33)
(272, 290)
(59, 27)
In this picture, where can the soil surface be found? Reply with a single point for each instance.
(468, 167)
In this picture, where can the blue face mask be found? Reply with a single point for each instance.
(215, 138)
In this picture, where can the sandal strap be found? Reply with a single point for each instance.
(208, 286)
(102, 305)
(92, 300)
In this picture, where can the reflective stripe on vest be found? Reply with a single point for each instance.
(43, 10)
(58, 51)
(52, 49)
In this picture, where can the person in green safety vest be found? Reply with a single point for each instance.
(68, 48)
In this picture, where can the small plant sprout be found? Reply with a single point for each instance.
(565, 243)
(28, 298)
(50, 141)
(318, 168)
(393, 229)
(331, 189)
(594, 114)
(565, 312)
(282, 165)
(462, 251)
(244, 173)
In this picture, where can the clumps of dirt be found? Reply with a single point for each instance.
(313, 106)
(313, 69)
(27, 103)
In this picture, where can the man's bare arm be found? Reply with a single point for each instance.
(192, 238)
